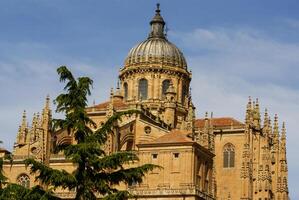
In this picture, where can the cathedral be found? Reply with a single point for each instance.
(205, 158)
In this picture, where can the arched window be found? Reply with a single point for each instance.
(165, 86)
(228, 156)
(185, 91)
(23, 180)
(142, 89)
(126, 91)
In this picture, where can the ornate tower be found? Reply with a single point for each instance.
(150, 68)
(34, 141)
(264, 165)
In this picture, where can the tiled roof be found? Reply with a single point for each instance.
(219, 122)
(117, 104)
(4, 150)
(175, 136)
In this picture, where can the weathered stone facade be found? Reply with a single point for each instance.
(209, 158)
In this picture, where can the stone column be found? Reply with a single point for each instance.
(179, 90)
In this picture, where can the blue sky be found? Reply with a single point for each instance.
(235, 49)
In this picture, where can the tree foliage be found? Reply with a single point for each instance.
(17, 192)
(12, 191)
(96, 173)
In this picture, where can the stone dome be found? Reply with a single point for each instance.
(156, 49)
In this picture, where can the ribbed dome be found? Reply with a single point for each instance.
(156, 49)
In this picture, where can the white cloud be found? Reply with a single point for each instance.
(229, 65)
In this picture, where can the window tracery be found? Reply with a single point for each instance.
(24, 180)
(229, 156)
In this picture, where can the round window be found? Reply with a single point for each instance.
(147, 130)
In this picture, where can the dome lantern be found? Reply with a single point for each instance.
(156, 50)
(157, 25)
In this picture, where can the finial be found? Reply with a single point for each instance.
(24, 120)
(111, 91)
(47, 105)
(266, 119)
(111, 94)
(24, 114)
(283, 125)
(157, 25)
(117, 87)
(275, 125)
(249, 104)
(283, 131)
(158, 8)
(266, 113)
(275, 118)
(270, 123)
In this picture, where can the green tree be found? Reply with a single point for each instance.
(96, 172)
(12, 191)
(3, 178)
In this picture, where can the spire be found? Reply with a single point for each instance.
(34, 121)
(275, 134)
(46, 114)
(283, 132)
(110, 108)
(22, 132)
(266, 118)
(157, 25)
(256, 114)
(283, 162)
(248, 110)
(270, 128)
(206, 120)
(47, 105)
(46, 111)
(283, 142)
(257, 105)
(266, 127)
(275, 126)
(24, 120)
(205, 135)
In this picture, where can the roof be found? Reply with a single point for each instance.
(219, 122)
(175, 136)
(4, 150)
(117, 104)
